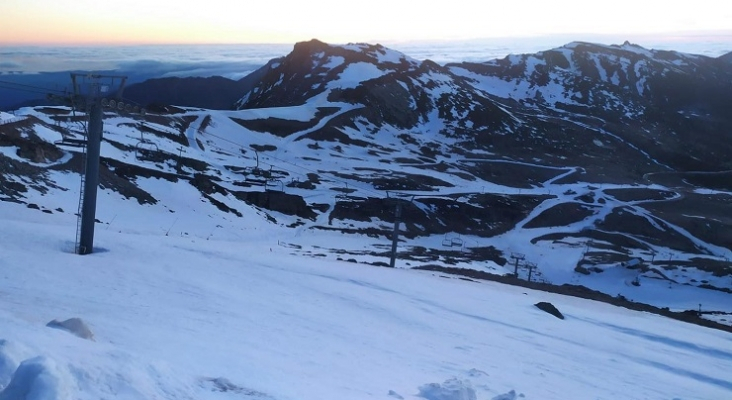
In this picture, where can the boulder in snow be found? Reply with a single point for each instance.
(77, 326)
(549, 308)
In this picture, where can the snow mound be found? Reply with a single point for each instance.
(77, 326)
(8, 363)
(452, 389)
(37, 379)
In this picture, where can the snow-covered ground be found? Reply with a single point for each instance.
(182, 211)
(188, 318)
(6, 118)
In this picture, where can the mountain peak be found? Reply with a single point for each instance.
(311, 46)
(601, 48)
(314, 68)
(351, 52)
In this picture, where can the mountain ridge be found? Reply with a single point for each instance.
(327, 134)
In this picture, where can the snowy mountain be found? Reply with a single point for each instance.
(670, 106)
(215, 92)
(392, 89)
(592, 166)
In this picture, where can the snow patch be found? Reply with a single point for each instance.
(600, 68)
(6, 118)
(640, 85)
(354, 74)
(531, 64)
(333, 62)
(382, 54)
(46, 134)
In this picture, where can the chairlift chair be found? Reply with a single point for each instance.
(273, 182)
(451, 239)
(71, 142)
(146, 150)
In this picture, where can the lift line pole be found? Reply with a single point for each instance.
(395, 233)
(94, 103)
(518, 257)
(91, 180)
(399, 199)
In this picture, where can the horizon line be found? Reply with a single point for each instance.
(678, 35)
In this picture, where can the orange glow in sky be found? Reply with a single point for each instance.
(272, 21)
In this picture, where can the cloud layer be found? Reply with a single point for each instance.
(235, 61)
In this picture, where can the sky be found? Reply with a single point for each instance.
(79, 22)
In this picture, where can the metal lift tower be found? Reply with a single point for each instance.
(93, 89)
(399, 200)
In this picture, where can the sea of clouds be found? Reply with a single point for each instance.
(236, 60)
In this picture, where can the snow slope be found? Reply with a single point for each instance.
(188, 318)
(182, 210)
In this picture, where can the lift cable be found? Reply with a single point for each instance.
(29, 88)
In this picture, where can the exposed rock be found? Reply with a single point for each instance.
(278, 201)
(549, 308)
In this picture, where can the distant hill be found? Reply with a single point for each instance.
(216, 92)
